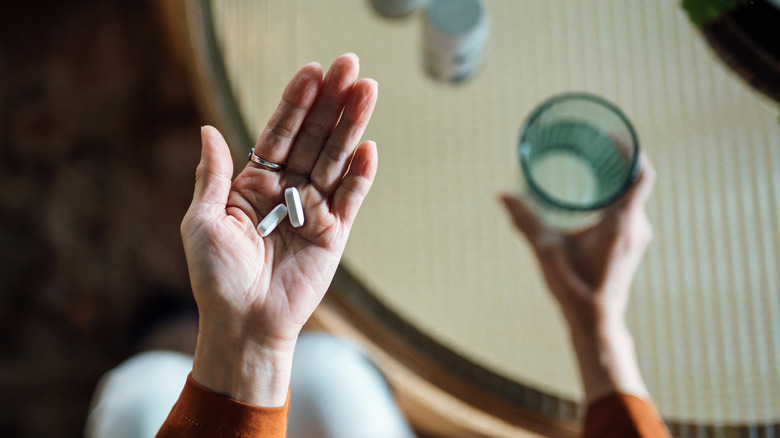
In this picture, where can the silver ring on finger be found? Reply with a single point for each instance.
(265, 164)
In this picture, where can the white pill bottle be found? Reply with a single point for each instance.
(454, 37)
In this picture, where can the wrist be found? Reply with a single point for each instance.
(596, 323)
(594, 315)
(603, 335)
(607, 359)
(243, 368)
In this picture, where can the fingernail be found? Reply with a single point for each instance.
(202, 133)
(353, 55)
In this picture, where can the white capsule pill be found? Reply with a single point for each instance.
(274, 218)
(294, 206)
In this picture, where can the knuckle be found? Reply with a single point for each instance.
(316, 129)
(281, 131)
(336, 153)
(637, 235)
(200, 171)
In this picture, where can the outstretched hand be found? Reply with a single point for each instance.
(590, 271)
(255, 293)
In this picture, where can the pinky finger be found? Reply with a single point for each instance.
(355, 185)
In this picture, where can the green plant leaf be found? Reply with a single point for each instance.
(701, 12)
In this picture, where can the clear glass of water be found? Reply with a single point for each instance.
(578, 153)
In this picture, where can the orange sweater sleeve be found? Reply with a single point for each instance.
(623, 416)
(200, 412)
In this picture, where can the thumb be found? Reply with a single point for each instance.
(633, 201)
(214, 172)
(636, 196)
(526, 220)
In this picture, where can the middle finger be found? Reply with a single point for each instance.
(324, 114)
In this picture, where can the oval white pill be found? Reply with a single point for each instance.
(294, 206)
(274, 218)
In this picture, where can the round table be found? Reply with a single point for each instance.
(435, 279)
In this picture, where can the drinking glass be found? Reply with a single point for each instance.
(578, 154)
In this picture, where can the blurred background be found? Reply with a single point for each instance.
(99, 141)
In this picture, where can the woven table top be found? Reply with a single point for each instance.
(433, 243)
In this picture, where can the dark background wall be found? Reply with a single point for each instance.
(99, 140)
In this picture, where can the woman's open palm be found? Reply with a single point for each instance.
(267, 287)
